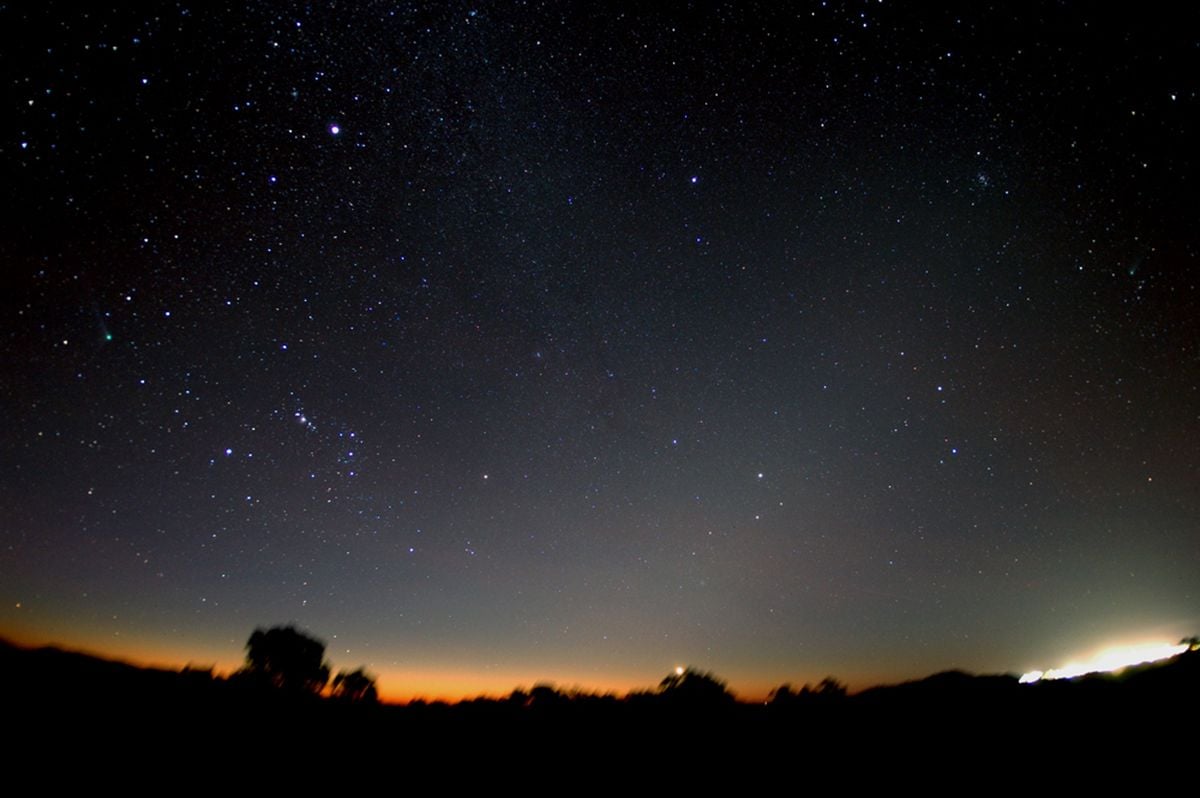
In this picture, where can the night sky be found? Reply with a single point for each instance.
(497, 343)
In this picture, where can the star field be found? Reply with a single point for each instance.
(504, 342)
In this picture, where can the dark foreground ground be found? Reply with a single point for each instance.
(71, 716)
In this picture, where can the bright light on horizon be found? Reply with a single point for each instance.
(1110, 659)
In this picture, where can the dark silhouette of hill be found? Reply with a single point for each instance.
(84, 703)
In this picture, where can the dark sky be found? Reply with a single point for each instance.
(493, 343)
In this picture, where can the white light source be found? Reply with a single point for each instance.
(1110, 659)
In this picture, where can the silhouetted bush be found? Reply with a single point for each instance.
(356, 686)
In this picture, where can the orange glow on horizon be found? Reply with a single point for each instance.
(399, 684)
(395, 685)
(402, 685)
(142, 653)
(432, 681)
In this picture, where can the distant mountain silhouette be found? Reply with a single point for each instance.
(93, 704)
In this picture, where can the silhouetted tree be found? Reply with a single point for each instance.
(288, 659)
(694, 687)
(782, 695)
(357, 686)
(829, 689)
(545, 696)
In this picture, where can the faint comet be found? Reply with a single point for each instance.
(1137, 264)
(105, 334)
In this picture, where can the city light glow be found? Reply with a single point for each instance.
(1110, 659)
